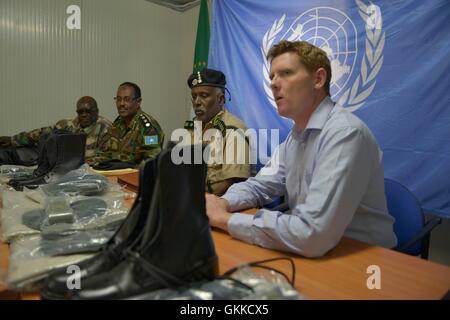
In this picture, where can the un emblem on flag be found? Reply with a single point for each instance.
(334, 31)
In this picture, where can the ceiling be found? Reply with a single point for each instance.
(179, 5)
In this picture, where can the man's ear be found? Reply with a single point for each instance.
(320, 79)
(221, 98)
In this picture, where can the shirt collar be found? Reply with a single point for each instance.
(209, 125)
(320, 115)
(317, 119)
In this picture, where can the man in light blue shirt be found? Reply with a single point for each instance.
(329, 169)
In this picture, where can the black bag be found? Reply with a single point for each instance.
(113, 164)
(23, 156)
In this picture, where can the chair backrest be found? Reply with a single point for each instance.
(409, 218)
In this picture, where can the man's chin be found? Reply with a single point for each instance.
(281, 112)
(200, 118)
(85, 124)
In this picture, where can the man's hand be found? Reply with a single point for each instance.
(217, 210)
(5, 141)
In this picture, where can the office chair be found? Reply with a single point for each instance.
(413, 233)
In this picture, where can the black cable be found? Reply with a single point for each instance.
(259, 263)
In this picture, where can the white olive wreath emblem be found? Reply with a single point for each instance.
(353, 97)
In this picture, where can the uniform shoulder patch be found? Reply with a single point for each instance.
(151, 140)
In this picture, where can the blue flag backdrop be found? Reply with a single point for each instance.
(390, 65)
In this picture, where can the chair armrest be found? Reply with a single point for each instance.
(429, 226)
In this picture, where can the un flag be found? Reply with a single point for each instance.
(390, 66)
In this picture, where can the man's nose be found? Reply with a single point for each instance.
(274, 83)
(196, 101)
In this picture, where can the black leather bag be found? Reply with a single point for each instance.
(22, 156)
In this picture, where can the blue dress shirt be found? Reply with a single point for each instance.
(332, 176)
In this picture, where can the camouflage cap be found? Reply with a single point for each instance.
(207, 77)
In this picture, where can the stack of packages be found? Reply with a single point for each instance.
(57, 213)
(58, 224)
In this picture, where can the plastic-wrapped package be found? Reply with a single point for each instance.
(77, 182)
(27, 266)
(60, 210)
(15, 172)
(78, 242)
(244, 284)
(23, 216)
(15, 204)
(75, 242)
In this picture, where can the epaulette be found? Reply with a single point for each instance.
(219, 124)
(189, 124)
(145, 120)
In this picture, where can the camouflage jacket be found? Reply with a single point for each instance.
(96, 135)
(142, 139)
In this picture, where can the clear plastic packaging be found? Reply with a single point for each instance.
(15, 204)
(81, 181)
(15, 172)
(58, 210)
(28, 267)
(76, 242)
(22, 216)
(244, 284)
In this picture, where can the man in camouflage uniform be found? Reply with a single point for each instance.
(208, 99)
(134, 136)
(88, 122)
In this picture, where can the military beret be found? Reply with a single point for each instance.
(207, 77)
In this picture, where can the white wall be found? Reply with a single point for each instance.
(45, 67)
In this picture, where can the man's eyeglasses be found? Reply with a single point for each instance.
(124, 99)
(82, 111)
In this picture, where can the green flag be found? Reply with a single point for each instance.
(202, 40)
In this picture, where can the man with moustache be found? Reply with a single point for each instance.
(208, 99)
(134, 136)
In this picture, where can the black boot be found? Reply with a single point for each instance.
(61, 153)
(112, 252)
(176, 247)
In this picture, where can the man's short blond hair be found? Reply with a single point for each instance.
(310, 56)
